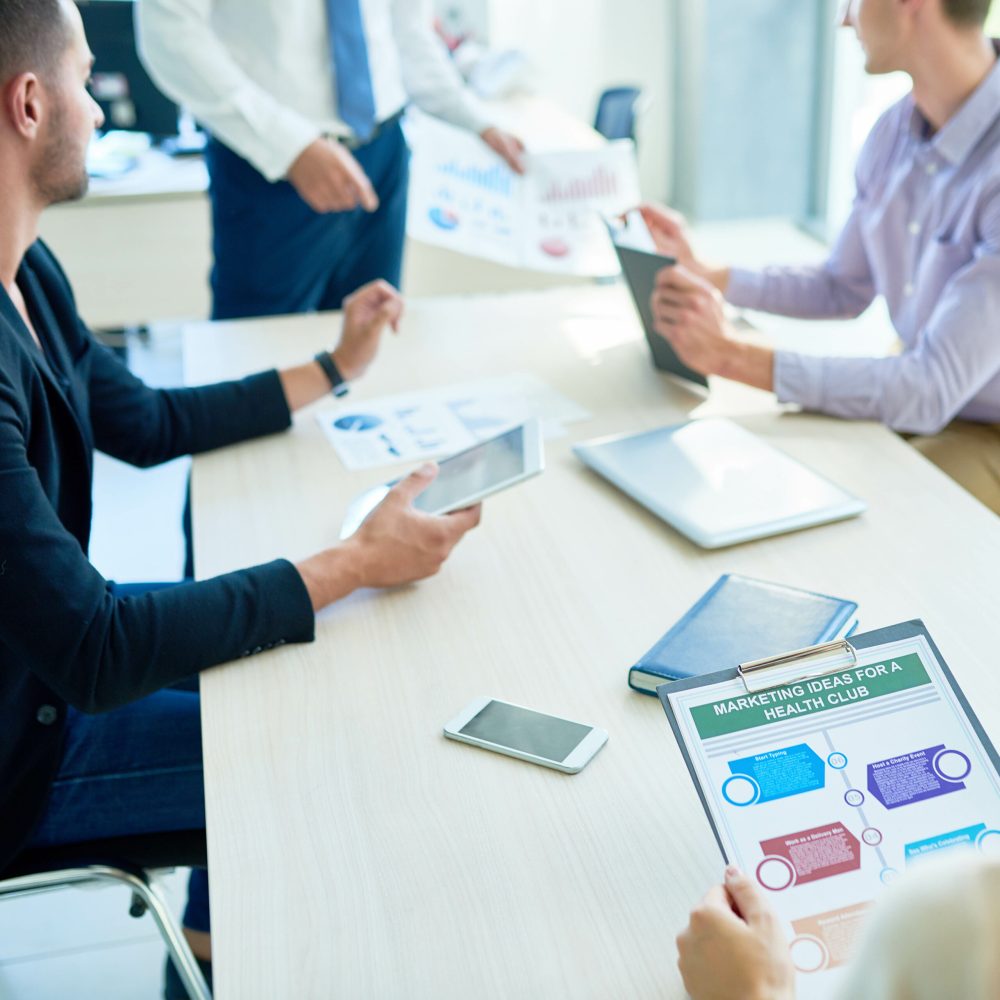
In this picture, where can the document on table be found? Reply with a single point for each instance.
(434, 422)
(833, 775)
(465, 198)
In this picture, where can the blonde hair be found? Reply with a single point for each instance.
(935, 934)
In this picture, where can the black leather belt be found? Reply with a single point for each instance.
(354, 142)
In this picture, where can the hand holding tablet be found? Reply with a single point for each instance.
(640, 264)
(467, 477)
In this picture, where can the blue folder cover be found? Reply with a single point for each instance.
(741, 619)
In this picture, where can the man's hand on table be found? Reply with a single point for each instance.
(395, 545)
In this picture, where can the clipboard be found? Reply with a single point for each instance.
(640, 268)
(871, 761)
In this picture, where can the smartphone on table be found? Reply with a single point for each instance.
(523, 733)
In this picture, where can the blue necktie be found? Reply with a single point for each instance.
(355, 100)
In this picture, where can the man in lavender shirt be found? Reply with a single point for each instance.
(924, 233)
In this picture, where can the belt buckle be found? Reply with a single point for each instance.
(353, 142)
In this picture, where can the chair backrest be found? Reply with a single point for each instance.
(615, 118)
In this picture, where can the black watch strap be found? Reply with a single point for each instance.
(337, 384)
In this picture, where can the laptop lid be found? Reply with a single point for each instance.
(717, 483)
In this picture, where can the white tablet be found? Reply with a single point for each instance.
(717, 483)
(468, 477)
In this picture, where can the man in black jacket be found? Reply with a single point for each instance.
(70, 646)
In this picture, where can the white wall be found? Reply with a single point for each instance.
(580, 47)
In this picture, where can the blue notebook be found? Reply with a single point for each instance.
(740, 619)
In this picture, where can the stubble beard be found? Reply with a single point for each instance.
(61, 172)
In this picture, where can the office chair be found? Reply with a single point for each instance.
(129, 861)
(617, 108)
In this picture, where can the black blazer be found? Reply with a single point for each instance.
(64, 638)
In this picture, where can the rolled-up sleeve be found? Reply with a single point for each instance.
(840, 288)
(924, 388)
(843, 286)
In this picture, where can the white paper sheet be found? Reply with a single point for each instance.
(431, 423)
(463, 197)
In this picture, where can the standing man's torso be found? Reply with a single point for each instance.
(285, 48)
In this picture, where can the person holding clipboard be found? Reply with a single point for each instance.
(924, 233)
(934, 935)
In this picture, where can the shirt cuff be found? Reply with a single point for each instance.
(798, 378)
(278, 142)
(285, 612)
(745, 289)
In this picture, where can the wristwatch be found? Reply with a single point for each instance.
(337, 384)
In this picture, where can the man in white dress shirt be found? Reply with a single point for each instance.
(308, 164)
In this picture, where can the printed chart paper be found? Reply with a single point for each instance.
(825, 789)
(435, 422)
(465, 198)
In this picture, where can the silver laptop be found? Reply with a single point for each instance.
(717, 483)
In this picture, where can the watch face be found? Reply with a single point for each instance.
(341, 390)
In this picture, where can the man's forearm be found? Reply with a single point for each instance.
(718, 276)
(750, 364)
(331, 575)
(304, 384)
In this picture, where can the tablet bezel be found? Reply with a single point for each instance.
(533, 453)
(533, 462)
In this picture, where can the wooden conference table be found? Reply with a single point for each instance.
(357, 853)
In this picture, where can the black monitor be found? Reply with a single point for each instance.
(122, 87)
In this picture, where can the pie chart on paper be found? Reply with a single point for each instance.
(443, 218)
(355, 423)
(555, 247)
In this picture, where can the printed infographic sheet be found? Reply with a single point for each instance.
(465, 198)
(824, 790)
(435, 422)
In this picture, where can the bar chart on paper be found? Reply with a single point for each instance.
(568, 194)
(463, 197)
(600, 183)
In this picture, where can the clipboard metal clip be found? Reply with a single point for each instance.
(754, 673)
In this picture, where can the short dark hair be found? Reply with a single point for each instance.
(33, 35)
(967, 13)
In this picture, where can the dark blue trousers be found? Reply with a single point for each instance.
(275, 255)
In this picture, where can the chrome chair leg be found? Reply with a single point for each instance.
(177, 946)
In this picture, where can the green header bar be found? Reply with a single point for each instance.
(844, 689)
